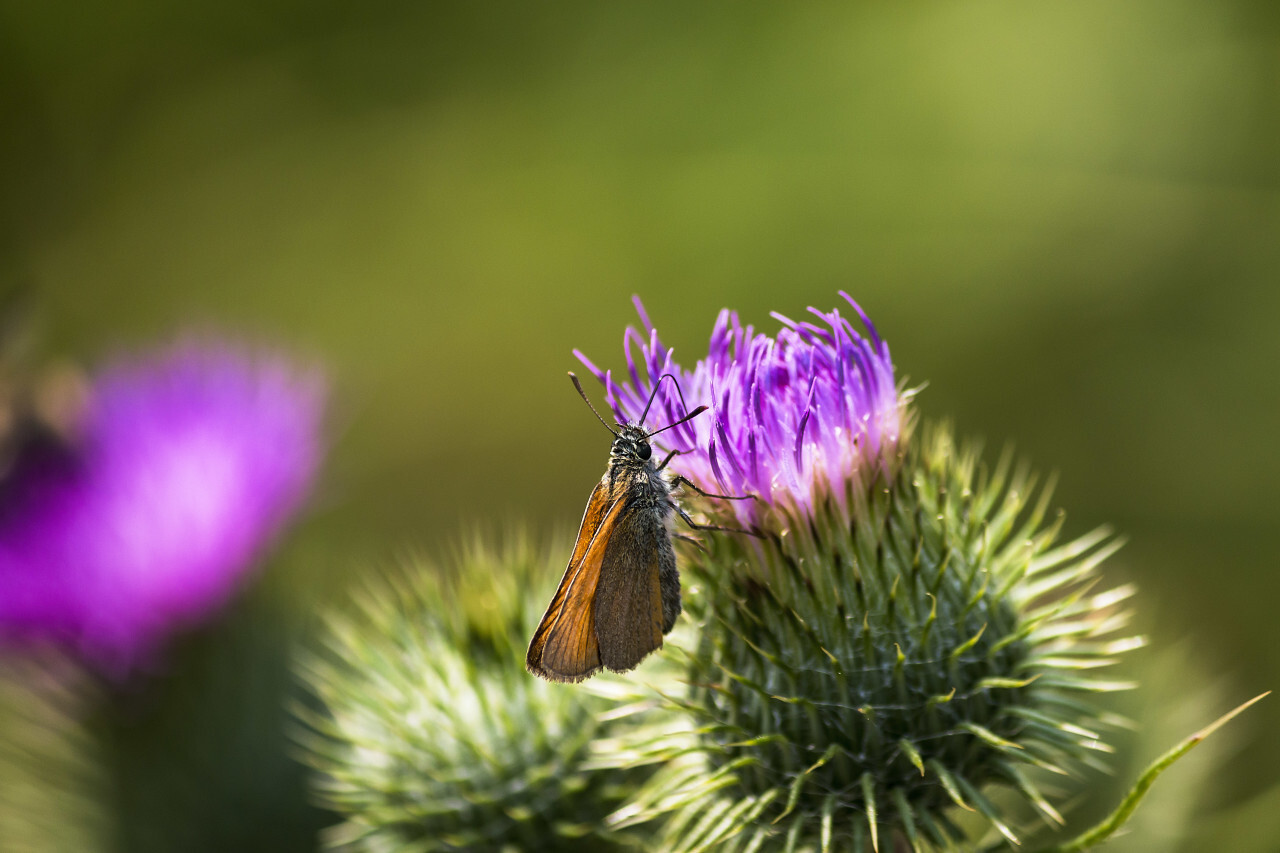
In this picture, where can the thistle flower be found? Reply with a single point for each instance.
(900, 637)
(795, 420)
(185, 465)
(432, 736)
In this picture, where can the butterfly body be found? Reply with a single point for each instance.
(621, 591)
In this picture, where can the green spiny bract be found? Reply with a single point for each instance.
(867, 671)
(433, 737)
(53, 776)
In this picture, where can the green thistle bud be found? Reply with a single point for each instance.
(864, 682)
(433, 737)
(901, 637)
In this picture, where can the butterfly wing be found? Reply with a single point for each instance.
(629, 615)
(565, 647)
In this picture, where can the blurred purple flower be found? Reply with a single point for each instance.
(792, 417)
(188, 464)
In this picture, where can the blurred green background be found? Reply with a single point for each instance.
(1064, 215)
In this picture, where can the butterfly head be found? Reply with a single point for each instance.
(631, 445)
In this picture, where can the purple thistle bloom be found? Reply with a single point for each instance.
(792, 418)
(188, 465)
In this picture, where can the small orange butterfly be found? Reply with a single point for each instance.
(621, 591)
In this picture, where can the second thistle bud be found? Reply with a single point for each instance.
(430, 736)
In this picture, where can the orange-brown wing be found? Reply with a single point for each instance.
(628, 603)
(598, 505)
(564, 647)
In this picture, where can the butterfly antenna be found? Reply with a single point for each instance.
(683, 405)
(687, 417)
(654, 396)
(583, 395)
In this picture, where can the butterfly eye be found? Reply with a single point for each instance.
(644, 451)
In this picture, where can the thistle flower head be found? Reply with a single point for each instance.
(900, 637)
(186, 464)
(432, 736)
(794, 417)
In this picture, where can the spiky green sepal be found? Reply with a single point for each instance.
(867, 672)
(431, 735)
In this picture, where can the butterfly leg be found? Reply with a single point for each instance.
(696, 526)
(694, 542)
(668, 458)
(685, 481)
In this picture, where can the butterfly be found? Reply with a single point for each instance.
(621, 591)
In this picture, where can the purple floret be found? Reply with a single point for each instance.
(190, 463)
(792, 417)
